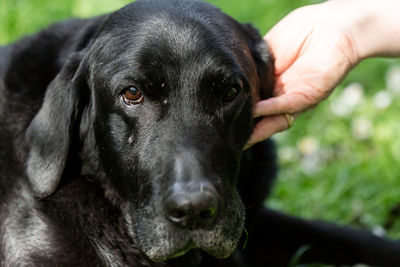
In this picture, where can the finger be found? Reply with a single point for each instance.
(288, 103)
(266, 128)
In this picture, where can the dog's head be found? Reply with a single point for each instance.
(162, 103)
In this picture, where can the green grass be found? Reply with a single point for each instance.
(343, 179)
(355, 181)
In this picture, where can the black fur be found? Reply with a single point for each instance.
(87, 180)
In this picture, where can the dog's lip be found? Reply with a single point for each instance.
(190, 245)
(180, 252)
(220, 254)
(177, 252)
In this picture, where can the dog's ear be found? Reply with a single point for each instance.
(50, 132)
(263, 59)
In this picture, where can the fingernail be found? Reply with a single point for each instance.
(247, 146)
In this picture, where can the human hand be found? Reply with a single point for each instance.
(314, 48)
(313, 51)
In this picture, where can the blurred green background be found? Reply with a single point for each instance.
(339, 163)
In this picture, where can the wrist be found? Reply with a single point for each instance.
(376, 29)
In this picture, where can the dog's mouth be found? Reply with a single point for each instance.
(161, 241)
(180, 252)
(159, 256)
(210, 242)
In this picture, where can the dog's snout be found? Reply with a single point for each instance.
(192, 206)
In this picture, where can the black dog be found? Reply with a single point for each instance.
(122, 141)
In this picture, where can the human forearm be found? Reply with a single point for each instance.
(376, 31)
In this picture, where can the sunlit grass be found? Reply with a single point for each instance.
(355, 179)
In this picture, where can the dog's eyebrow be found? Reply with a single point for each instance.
(225, 77)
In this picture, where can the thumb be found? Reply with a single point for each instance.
(293, 102)
(266, 128)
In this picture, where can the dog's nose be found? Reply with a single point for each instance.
(192, 207)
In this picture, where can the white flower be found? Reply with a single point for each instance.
(393, 79)
(379, 231)
(288, 154)
(383, 99)
(361, 128)
(308, 145)
(348, 100)
(311, 163)
(311, 160)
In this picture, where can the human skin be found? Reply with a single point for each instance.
(315, 47)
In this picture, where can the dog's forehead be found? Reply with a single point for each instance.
(171, 42)
(193, 43)
(164, 47)
(174, 29)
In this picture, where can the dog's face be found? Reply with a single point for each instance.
(168, 113)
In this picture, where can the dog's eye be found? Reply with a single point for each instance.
(132, 96)
(230, 94)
